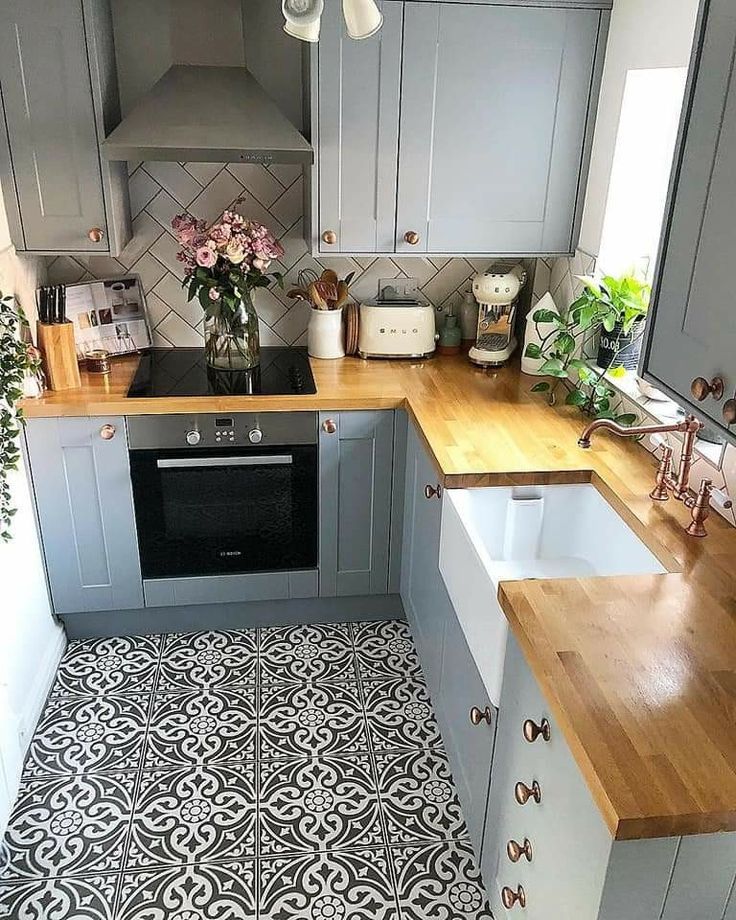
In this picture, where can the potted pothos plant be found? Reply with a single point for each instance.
(17, 358)
(615, 307)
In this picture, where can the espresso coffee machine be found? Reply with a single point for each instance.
(496, 291)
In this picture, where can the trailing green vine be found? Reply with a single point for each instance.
(16, 360)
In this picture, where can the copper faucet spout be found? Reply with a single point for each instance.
(688, 424)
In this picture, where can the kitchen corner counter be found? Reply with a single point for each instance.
(640, 672)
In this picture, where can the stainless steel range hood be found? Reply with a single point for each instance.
(207, 114)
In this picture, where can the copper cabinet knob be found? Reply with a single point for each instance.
(107, 432)
(522, 793)
(329, 426)
(729, 411)
(433, 491)
(96, 234)
(411, 237)
(481, 715)
(329, 237)
(515, 850)
(700, 388)
(511, 898)
(532, 731)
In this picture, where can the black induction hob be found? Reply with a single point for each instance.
(184, 372)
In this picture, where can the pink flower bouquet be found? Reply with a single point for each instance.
(224, 263)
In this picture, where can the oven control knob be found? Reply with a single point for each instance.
(193, 437)
(255, 436)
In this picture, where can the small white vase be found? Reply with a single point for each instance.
(325, 334)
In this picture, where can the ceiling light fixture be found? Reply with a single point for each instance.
(303, 17)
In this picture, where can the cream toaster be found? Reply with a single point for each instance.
(399, 329)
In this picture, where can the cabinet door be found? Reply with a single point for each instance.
(423, 592)
(356, 466)
(496, 104)
(85, 509)
(570, 842)
(693, 333)
(50, 119)
(469, 747)
(358, 104)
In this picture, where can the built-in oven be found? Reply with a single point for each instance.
(225, 494)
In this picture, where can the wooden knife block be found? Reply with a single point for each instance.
(56, 342)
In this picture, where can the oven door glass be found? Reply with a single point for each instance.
(203, 512)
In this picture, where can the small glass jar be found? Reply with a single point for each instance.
(98, 361)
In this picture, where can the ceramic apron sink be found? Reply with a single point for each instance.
(512, 533)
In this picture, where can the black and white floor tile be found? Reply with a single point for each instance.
(291, 773)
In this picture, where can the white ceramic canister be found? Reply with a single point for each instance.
(532, 334)
(326, 334)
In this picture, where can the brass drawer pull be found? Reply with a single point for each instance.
(329, 426)
(532, 731)
(729, 411)
(515, 850)
(95, 234)
(481, 715)
(701, 388)
(522, 793)
(107, 432)
(511, 898)
(411, 237)
(433, 491)
(329, 237)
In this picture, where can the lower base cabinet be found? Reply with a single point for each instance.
(557, 855)
(453, 680)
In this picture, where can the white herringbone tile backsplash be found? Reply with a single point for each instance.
(272, 195)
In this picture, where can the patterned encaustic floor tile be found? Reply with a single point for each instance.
(285, 773)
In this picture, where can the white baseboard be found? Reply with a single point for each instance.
(36, 698)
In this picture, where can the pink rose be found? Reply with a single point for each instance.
(235, 252)
(214, 294)
(206, 257)
(261, 264)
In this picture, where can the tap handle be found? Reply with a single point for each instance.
(720, 499)
(699, 509)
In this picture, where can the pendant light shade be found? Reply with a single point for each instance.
(303, 18)
(362, 18)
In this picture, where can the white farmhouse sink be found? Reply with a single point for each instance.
(511, 533)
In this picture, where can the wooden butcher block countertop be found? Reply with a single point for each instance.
(640, 672)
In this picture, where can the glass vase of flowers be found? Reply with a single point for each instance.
(225, 262)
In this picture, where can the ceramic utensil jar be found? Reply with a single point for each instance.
(325, 334)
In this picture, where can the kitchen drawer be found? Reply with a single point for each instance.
(224, 589)
(569, 840)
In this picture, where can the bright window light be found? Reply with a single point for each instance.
(645, 144)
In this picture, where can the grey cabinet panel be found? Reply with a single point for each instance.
(423, 591)
(223, 589)
(693, 333)
(469, 747)
(356, 469)
(85, 510)
(571, 844)
(494, 112)
(358, 104)
(58, 90)
(702, 879)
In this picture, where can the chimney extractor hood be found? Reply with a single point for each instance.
(210, 115)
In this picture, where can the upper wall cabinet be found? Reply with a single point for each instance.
(693, 328)
(59, 96)
(461, 128)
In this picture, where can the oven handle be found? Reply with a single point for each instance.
(195, 462)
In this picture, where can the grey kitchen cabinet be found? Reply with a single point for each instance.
(460, 128)
(84, 500)
(356, 475)
(423, 592)
(358, 102)
(692, 332)
(469, 745)
(59, 98)
(452, 677)
(576, 868)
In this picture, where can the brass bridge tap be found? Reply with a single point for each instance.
(667, 482)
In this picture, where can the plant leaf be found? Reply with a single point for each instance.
(553, 368)
(540, 387)
(533, 351)
(576, 398)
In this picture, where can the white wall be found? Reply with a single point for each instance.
(31, 642)
(644, 34)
